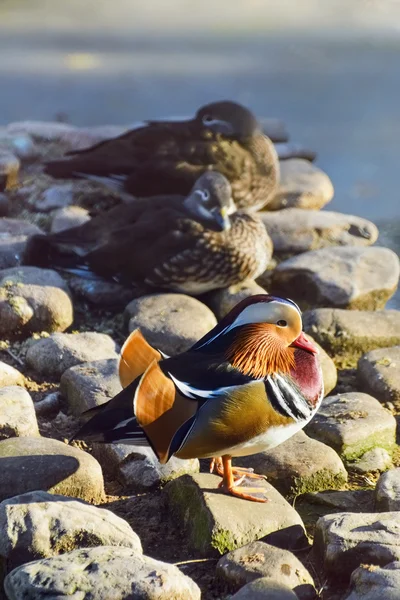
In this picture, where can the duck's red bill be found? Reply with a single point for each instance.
(305, 344)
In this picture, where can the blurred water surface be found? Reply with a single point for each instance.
(331, 73)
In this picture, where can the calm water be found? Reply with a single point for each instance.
(339, 96)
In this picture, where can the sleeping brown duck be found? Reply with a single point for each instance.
(193, 244)
(167, 157)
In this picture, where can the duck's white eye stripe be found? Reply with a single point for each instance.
(205, 194)
(294, 303)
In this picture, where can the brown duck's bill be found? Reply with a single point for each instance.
(305, 344)
(222, 220)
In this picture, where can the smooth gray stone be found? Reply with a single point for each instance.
(373, 583)
(352, 333)
(170, 322)
(387, 491)
(58, 352)
(36, 463)
(215, 523)
(344, 541)
(17, 413)
(353, 424)
(105, 572)
(40, 525)
(356, 278)
(258, 559)
(378, 373)
(33, 300)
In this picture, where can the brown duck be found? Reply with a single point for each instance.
(192, 245)
(167, 157)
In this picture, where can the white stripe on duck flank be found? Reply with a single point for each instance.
(195, 394)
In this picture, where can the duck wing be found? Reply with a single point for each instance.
(176, 172)
(159, 158)
(75, 242)
(123, 154)
(136, 251)
(127, 241)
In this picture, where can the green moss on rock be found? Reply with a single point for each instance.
(383, 439)
(352, 348)
(185, 502)
(322, 480)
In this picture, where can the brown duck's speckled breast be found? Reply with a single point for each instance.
(251, 166)
(259, 176)
(216, 260)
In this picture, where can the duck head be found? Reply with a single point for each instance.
(210, 201)
(260, 336)
(227, 118)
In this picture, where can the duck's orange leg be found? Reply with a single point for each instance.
(216, 466)
(230, 486)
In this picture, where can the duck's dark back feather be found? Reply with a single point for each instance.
(111, 242)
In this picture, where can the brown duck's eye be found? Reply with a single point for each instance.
(207, 119)
(204, 195)
(281, 323)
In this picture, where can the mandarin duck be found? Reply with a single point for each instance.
(166, 157)
(245, 387)
(192, 245)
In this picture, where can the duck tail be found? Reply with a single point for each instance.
(45, 251)
(114, 421)
(146, 412)
(62, 169)
(37, 251)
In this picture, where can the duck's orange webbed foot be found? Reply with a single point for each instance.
(217, 467)
(230, 485)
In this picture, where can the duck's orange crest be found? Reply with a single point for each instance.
(257, 352)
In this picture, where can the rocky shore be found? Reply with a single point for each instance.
(112, 521)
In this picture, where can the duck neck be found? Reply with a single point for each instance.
(257, 353)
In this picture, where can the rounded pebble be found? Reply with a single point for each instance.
(58, 352)
(33, 300)
(170, 322)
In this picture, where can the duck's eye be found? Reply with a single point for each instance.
(281, 323)
(207, 119)
(205, 195)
